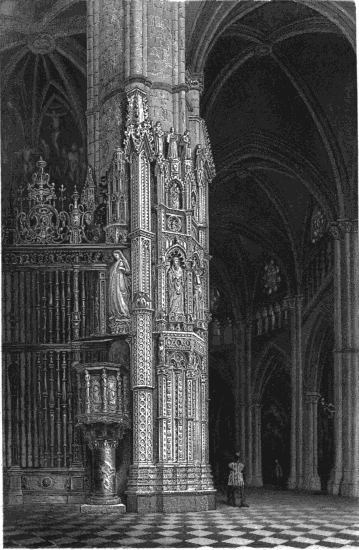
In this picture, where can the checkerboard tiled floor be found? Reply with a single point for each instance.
(274, 520)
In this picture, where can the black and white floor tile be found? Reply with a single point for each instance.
(280, 520)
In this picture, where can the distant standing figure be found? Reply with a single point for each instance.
(236, 482)
(172, 152)
(186, 153)
(158, 138)
(278, 473)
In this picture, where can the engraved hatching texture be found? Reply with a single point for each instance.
(111, 41)
(142, 367)
(160, 46)
(135, 261)
(145, 193)
(111, 126)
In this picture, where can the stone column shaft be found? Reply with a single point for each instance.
(257, 446)
(249, 445)
(345, 475)
(311, 477)
(93, 120)
(296, 469)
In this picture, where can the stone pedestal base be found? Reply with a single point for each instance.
(349, 489)
(257, 481)
(14, 494)
(187, 501)
(103, 508)
(312, 483)
(292, 483)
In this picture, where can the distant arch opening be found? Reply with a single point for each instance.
(275, 435)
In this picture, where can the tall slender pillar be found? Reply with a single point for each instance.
(242, 389)
(345, 475)
(248, 400)
(238, 391)
(93, 76)
(311, 480)
(139, 153)
(296, 469)
(257, 480)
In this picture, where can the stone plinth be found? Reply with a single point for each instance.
(103, 508)
(172, 502)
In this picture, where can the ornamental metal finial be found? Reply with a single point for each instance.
(40, 218)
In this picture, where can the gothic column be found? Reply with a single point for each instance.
(242, 401)
(106, 47)
(93, 75)
(169, 242)
(248, 401)
(296, 470)
(138, 151)
(240, 408)
(311, 480)
(345, 475)
(257, 446)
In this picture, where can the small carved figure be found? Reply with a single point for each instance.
(158, 139)
(186, 153)
(176, 287)
(172, 151)
(74, 163)
(119, 288)
(161, 350)
(55, 128)
(175, 194)
(197, 291)
(96, 392)
(199, 163)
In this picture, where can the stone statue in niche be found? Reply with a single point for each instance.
(186, 152)
(199, 164)
(175, 196)
(158, 138)
(175, 279)
(119, 287)
(194, 204)
(172, 151)
(197, 290)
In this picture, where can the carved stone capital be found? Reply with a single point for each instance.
(311, 397)
(339, 228)
(194, 81)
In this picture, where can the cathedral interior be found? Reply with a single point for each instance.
(179, 250)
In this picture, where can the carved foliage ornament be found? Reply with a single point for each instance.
(138, 126)
(41, 43)
(341, 227)
(271, 277)
(40, 217)
(318, 225)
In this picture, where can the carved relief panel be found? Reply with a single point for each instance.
(181, 404)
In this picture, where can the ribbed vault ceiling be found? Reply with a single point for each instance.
(279, 100)
(280, 104)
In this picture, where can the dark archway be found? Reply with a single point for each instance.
(276, 410)
(221, 427)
